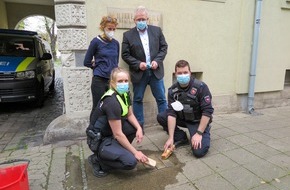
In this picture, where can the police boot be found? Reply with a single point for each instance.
(97, 170)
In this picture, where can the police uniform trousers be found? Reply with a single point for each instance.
(112, 155)
(180, 135)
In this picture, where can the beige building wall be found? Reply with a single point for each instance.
(3, 16)
(274, 57)
(274, 43)
(216, 38)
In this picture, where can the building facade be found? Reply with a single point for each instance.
(215, 36)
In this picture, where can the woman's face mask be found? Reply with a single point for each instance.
(183, 79)
(122, 87)
(109, 34)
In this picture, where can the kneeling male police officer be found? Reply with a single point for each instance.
(189, 106)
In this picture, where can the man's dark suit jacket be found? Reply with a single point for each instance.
(133, 53)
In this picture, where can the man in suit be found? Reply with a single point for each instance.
(144, 49)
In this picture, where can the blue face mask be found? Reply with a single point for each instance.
(141, 25)
(183, 79)
(122, 87)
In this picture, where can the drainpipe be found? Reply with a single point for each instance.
(254, 57)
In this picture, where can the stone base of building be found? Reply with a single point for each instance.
(236, 103)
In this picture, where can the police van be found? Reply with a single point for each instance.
(26, 67)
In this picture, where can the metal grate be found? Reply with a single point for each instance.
(5, 76)
(9, 92)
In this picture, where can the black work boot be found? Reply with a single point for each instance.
(181, 142)
(97, 170)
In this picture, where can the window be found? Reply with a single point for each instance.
(16, 47)
(287, 78)
(285, 4)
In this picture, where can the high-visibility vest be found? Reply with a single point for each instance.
(124, 105)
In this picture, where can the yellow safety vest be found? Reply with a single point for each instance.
(124, 105)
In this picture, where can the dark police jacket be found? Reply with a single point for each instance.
(195, 98)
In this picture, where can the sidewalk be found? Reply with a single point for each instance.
(247, 152)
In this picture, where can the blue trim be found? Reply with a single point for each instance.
(10, 63)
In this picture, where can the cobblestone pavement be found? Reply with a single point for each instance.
(247, 152)
(23, 126)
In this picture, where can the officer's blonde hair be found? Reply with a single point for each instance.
(114, 74)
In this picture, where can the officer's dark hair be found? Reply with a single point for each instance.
(182, 63)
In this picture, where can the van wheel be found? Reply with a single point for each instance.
(40, 95)
(52, 85)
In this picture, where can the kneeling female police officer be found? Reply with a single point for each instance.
(121, 127)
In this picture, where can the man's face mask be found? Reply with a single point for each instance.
(183, 79)
(177, 106)
(141, 25)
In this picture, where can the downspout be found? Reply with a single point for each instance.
(254, 57)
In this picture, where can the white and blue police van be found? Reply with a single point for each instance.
(26, 67)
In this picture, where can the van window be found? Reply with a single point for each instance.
(16, 46)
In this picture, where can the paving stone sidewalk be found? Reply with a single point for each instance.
(247, 152)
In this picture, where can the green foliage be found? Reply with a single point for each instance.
(57, 62)
(21, 25)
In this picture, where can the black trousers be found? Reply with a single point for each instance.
(112, 155)
(99, 86)
(192, 127)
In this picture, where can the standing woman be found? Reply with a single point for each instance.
(102, 56)
(118, 130)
